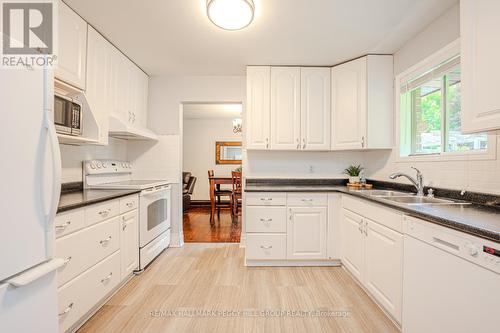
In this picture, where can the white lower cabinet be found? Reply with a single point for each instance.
(352, 240)
(86, 247)
(373, 253)
(266, 247)
(306, 233)
(101, 249)
(129, 243)
(287, 227)
(81, 294)
(384, 266)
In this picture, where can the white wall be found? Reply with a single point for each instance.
(166, 95)
(199, 137)
(470, 175)
(300, 164)
(72, 157)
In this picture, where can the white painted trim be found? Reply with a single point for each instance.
(415, 71)
(291, 263)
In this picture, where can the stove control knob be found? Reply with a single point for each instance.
(472, 249)
(92, 165)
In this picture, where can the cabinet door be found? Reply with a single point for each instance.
(99, 80)
(306, 233)
(129, 240)
(258, 113)
(143, 99)
(384, 266)
(121, 86)
(315, 108)
(285, 108)
(349, 105)
(353, 243)
(71, 59)
(480, 51)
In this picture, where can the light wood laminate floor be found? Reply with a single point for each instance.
(213, 277)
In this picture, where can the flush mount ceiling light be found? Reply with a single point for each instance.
(230, 14)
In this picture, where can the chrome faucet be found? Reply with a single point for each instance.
(418, 183)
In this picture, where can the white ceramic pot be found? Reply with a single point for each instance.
(354, 179)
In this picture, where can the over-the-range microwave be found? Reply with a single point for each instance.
(67, 115)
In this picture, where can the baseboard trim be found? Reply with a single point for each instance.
(206, 203)
(292, 263)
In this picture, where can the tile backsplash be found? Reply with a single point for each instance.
(72, 157)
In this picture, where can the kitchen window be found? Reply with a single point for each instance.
(430, 115)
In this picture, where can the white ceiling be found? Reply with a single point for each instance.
(211, 110)
(175, 37)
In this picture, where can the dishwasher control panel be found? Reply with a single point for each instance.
(482, 252)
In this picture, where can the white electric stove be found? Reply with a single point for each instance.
(154, 203)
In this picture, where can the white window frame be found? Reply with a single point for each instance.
(447, 52)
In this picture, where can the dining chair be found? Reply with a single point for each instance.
(216, 193)
(236, 197)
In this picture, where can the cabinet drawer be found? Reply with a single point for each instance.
(87, 247)
(306, 199)
(101, 212)
(129, 203)
(266, 247)
(386, 216)
(265, 199)
(265, 219)
(81, 294)
(68, 222)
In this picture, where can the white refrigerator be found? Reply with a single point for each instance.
(30, 186)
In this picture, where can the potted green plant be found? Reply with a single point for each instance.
(353, 171)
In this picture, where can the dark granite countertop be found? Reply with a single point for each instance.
(474, 219)
(82, 198)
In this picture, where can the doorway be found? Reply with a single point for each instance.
(211, 143)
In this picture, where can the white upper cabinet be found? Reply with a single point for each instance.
(99, 80)
(480, 54)
(315, 108)
(285, 108)
(71, 61)
(362, 104)
(258, 113)
(306, 233)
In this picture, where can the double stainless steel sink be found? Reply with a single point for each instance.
(410, 199)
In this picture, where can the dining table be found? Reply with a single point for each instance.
(215, 182)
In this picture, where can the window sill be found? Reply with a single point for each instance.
(490, 154)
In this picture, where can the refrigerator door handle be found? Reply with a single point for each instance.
(56, 183)
(33, 274)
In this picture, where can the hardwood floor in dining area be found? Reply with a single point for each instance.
(207, 288)
(198, 229)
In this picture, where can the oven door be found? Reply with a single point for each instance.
(154, 213)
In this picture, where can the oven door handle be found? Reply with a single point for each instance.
(154, 190)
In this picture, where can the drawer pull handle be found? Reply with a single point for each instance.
(105, 241)
(68, 309)
(266, 220)
(129, 204)
(107, 278)
(308, 200)
(266, 247)
(266, 199)
(63, 226)
(105, 213)
(124, 225)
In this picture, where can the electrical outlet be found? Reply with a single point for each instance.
(311, 169)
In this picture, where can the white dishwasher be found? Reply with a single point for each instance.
(451, 280)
